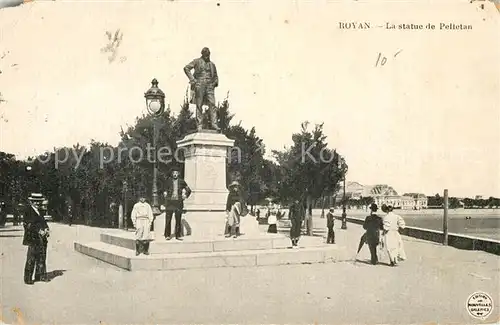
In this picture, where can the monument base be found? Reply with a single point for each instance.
(206, 200)
(206, 225)
(205, 157)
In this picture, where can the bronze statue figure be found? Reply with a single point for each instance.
(203, 82)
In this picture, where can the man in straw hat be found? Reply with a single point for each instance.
(36, 233)
(235, 208)
(176, 191)
(142, 217)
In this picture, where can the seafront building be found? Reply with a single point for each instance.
(384, 194)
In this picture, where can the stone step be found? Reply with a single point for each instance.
(126, 259)
(200, 245)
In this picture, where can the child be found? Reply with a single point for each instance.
(329, 223)
(272, 220)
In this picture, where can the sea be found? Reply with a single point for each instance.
(484, 223)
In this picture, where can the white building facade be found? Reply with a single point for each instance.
(385, 194)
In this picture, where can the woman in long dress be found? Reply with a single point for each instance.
(392, 238)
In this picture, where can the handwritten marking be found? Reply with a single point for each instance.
(382, 60)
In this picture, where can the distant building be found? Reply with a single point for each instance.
(384, 194)
(419, 200)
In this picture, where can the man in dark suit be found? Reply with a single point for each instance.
(176, 191)
(296, 216)
(36, 233)
(373, 225)
(330, 218)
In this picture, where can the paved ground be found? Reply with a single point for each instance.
(432, 286)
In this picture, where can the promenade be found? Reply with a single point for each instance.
(431, 286)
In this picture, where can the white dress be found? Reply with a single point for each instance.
(142, 217)
(392, 239)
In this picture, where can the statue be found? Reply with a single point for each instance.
(203, 82)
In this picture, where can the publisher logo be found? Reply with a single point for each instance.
(480, 305)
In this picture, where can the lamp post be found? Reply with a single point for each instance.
(155, 104)
(29, 179)
(344, 214)
(125, 221)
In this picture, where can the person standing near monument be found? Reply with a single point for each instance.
(36, 233)
(234, 210)
(203, 82)
(142, 217)
(176, 191)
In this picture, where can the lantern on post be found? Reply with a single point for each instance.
(155, 104)
(125, 212)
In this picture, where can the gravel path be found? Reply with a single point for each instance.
(432, 286)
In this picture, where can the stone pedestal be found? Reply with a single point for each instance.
(160, 226)
(205, 156)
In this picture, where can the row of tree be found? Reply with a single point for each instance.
(91, 178)
(437, 201)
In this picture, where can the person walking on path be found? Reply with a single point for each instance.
(392, 223)
(142, 217)
(330, 239)
(373, 225)
(296, 216)
(36, 234)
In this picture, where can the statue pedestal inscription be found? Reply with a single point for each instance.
(205, 156)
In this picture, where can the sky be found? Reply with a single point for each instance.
(426, 120)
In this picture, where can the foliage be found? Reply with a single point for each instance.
(309, 167)
(91, 178)
(310, 170)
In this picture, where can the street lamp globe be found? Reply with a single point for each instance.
(155, 99)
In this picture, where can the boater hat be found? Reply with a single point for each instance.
(234, 184)
(36, 197)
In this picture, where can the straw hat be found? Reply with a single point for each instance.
(36, 197)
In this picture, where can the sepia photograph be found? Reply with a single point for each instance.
(249, 162)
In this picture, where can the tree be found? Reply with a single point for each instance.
(468, 203)
(453, 203)
(185, 122)
(435, 201)
(92, 177)
(310, 168)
